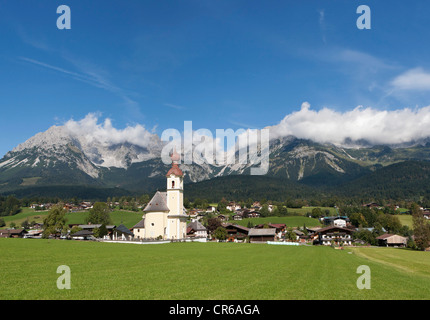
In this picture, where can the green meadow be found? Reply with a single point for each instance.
(128, 218)
(193, 271)
(290, 221)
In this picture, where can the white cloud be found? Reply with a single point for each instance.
(414, 79)
(374, 126)
(90, 131)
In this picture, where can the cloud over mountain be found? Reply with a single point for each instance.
(375, 126)
(326, 125)
(106, 134)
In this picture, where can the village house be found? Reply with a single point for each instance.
(392, 240)
(261, 235)
(232, 206)
(253, 214)
(12, 233)
(196, 230)
(238, 216)
(211, 209)
(334, 235)
(223, 217)
(83, 235)
(340, 221)
(236, 232)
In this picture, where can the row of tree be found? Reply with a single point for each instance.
(55, 225)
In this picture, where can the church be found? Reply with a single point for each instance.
(165, 216)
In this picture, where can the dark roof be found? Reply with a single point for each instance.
(157, 203)
(140, 224)
(237, 226)
(332, 228)
(336, 217)
(82, 233)
(123, 229)
(93, 226)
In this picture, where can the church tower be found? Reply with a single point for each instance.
(176, 224)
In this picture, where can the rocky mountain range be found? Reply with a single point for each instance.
(61, 157)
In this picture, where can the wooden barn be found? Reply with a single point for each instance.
(261, 235)
(392, 240)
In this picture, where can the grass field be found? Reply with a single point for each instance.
(290, 221)
(128, 218)
(193, 271)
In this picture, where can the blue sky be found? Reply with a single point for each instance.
(221, 64)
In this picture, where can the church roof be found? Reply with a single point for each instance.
(157, 203)
(140, 224)
(175, 170)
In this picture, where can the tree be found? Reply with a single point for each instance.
(264, 212)
(421, 229)
(100, 232)
(213, 224)
(25, 224)
(283, 211)
(55, 222)
(99, 214)
(222, 205)
(2, 222)
(358, 220)
(75, 229)
(316, 213)
(290, 235)
(220, 233)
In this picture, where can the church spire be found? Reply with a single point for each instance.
(176, 157)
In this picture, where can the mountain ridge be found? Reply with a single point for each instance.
(60, 156)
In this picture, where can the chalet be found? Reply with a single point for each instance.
(372, 205)
(261, 235)
(236, 232)
(12, 233)
(233, 206)
(238, 216)
(193, 213)
(83, 235)
(253, 214)
(196, 230)
(278, 226)
(223, 217)
(392, 240)
(334, 235)
(211, 209)
(301, 236)
(336, 220)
